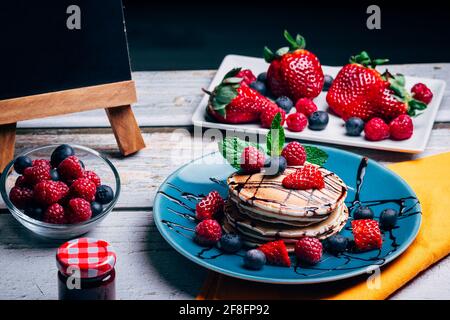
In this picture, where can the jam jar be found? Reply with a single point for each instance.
(86, 270)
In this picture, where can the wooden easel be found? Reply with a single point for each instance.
(116, 98)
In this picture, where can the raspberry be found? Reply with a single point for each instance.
(41, 163)
(209, 206)
(83, 188)
(49, 192)
(208, 232)
(252, 160)
(268, 114)
(305, 106)
(422, 93)
(401, 128)
(91, 175)
(55, 214)
(367, 234)
(276, 253)
(21, 196)
(376, 130)
(296, 122)
(294, 153)
(70, 169)
(308, 250)
(34, 175)
(21, 181)
(79, 210)
(247, 76)
(307, 177)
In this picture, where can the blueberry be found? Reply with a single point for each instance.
(54, 175)
(318, 120)
(230, 243)
(285, 103)
(259, 86)
(104, 194)
(337, 244)
(388, 219)
(21, 163)
(275, 165)
(34, 212)
(254, 259)
(328, 80)
(96, 208)
(354, 126)
(363, 213)
(262, 77)
(60, 153)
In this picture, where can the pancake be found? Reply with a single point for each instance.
(266, 197)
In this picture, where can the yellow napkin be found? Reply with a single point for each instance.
(430, 179)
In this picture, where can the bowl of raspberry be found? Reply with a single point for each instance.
(60, 191)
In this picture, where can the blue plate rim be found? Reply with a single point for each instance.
(209, 266)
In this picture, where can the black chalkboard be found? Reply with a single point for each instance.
(40, 54)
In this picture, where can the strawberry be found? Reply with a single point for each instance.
(79, 210)
(209, 206)
(247, 76)
(276, 253)
(294, 153)
(422, 93)
(268, 114)
(252, 160)
(91, 175)
(208, 232)
(305, 106)
(49, 192)
(232, 101)
(376, 130)
(294, 72)
(55, 214)
(296, 122)
(34, 175)
(70, 169)
(308, 250)
(83, 188)
(367, 235)
(401, 128)
(21, 196)
(304, 178)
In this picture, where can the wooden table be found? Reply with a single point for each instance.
(148, 268)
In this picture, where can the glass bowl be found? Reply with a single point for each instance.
(92, 160)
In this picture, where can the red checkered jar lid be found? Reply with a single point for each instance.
(93, 258)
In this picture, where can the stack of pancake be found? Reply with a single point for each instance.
(260, 209)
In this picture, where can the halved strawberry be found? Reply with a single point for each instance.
(304, 178)
(276, 253)
(367, 234)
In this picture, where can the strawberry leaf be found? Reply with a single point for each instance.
(232, 148)
(269, 56)
(315, 155)
(275, 137)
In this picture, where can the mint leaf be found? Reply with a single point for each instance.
(232, 148)
(275, 137)
(315, 155)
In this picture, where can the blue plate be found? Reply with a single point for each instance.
(369, 183)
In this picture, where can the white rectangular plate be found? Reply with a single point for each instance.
(335, 131)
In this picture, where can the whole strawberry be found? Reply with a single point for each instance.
(294, 72)
(422, 93)
(268, 114)
(34, 175)
(208, 232)
(21, 197)
(70, 169)
(296, 122)
(276, 253)
(209, 206)
(376, 130)
(55, 214)
(305, 106)
(233, 101)
(91, 175)
(252, 160)
(308, 250)
(294, 153)
(83, 188)
(49, 192)
(401, 128)
(367, 234)
(304, 178)
(79, 210)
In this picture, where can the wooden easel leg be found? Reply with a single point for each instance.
(126, 129)
(7, 142)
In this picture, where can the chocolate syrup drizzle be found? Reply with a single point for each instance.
(345, 258)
